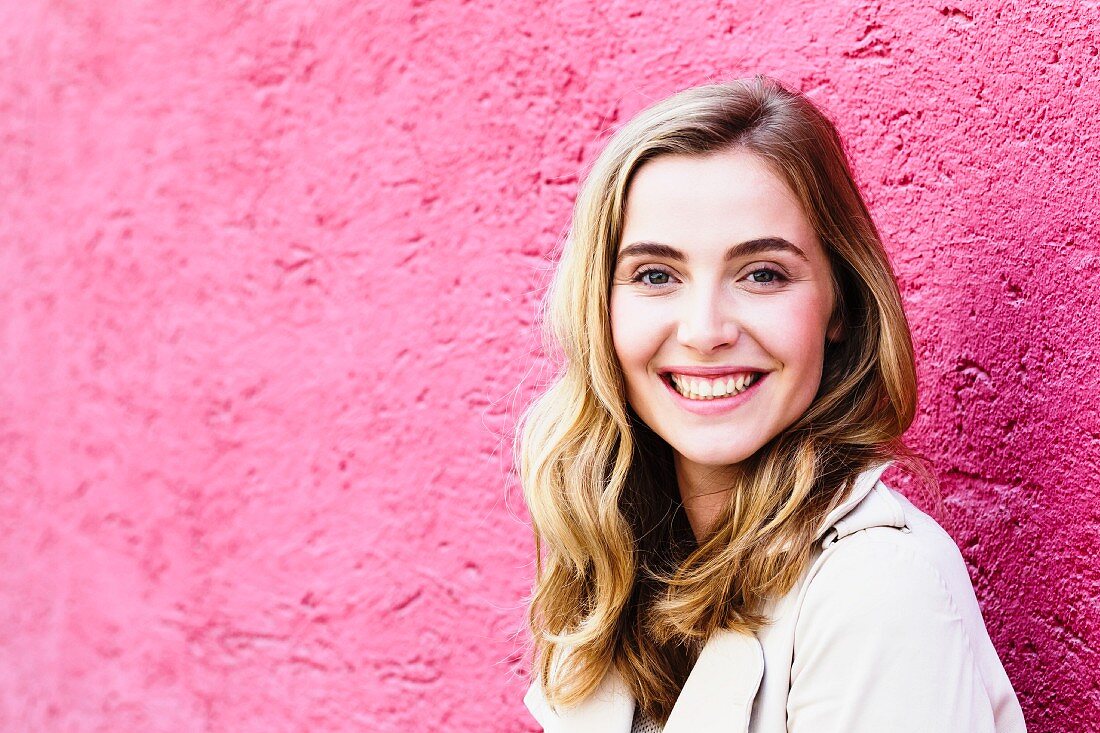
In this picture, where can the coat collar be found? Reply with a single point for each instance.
(718, 694)
(868, 504)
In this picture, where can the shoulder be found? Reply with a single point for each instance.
(879, 577)
(909, 571)
(887, 593)
(888, 633)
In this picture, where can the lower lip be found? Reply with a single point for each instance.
(715, 405)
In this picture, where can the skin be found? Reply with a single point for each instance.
(706, 311)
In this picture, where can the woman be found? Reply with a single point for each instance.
(716, 551)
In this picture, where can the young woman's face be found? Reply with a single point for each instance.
(719, 270)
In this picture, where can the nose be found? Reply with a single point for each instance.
(707, 323)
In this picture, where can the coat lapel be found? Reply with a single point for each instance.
(719, 692)
(717, 696)
(609, 709)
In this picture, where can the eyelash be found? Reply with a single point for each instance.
(780, 278)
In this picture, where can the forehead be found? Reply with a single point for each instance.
(713, 200)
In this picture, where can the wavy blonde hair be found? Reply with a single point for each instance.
(620, 579)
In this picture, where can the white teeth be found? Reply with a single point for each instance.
(706, 389)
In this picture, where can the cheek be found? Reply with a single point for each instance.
(632, 335)
(795, 334)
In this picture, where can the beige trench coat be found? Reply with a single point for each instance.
(882, 634)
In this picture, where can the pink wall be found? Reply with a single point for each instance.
(267, 278)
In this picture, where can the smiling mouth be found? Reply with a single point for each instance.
(710, 389)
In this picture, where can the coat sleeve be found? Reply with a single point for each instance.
(880, 645)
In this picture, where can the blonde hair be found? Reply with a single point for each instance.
(620, 580)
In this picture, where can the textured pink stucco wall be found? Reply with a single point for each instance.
(268, 273)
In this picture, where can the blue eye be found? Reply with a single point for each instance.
(641, 275)
(776, 276)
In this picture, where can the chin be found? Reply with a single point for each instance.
(718, 456)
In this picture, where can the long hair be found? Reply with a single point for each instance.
(621, 582)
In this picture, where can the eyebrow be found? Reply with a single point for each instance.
(744, 249)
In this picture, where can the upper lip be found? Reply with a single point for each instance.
(717, 371)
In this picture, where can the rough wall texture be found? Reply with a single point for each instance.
(267, 278)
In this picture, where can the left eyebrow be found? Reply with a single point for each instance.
(744, 249)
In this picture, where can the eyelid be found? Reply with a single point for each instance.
(644, 270)
(760, 265)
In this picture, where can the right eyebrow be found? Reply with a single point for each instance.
(744, 249)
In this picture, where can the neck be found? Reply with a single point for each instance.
(704, 491)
